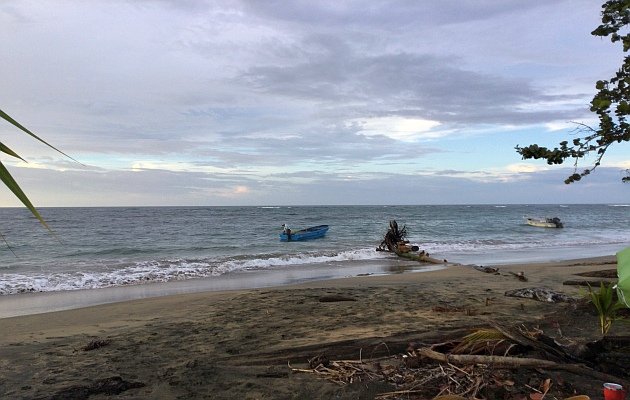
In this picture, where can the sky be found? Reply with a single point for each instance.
(251, 102)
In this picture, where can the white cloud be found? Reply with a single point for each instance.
(173, 167)
(524, 167)
(234, 192)
(570, 125)
(398, 128)
(559, 125)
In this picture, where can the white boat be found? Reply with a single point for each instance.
(545, 222)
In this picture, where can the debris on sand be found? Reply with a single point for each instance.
(491, 362)
(540, 294)
(96, 344)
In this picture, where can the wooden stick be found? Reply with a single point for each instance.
(515, 362)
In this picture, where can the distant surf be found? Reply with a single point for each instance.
(109, 247)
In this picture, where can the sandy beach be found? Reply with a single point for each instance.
(249, 344)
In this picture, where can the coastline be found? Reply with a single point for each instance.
(237, 343)
(43, 302)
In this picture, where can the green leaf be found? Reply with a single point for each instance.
(606, 305)
(6, 117)
(8, 180)
(10, 152)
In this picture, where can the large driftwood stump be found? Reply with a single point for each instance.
(395, 241)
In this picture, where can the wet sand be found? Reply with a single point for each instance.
(238, 344)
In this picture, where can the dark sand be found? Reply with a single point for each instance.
(237, 344)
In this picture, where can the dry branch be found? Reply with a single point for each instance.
(514, 362)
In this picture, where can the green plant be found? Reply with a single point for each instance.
(611, 104)
(607, 305)
(6, 177)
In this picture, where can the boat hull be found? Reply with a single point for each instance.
(314, 232)
(545, 223)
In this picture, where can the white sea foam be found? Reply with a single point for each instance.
(497, 245)
(164, 271)
(300, 259)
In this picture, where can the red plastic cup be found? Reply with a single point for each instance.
(614, 391)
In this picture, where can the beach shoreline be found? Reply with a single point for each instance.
(237, 343)
(43, 302)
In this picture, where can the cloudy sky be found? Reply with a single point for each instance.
(252, 102)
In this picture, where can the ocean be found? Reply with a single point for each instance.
(96, 248)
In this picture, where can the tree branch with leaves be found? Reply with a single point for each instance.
(611, 104)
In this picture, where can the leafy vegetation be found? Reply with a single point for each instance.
(6, 177)
(611, 104)
(606, 304)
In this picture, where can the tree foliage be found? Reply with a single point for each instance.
(611, 104)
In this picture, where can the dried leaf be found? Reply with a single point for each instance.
(546, 385)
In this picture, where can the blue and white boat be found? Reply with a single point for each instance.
(314, 232)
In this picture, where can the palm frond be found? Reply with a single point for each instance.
(8, 180)
(5, 149)
(480, 338)
(8, 118)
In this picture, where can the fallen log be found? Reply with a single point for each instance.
(422, 257)
(605, 273)
(487, 270)
(515, 362)
(542, 343)
(591, 283)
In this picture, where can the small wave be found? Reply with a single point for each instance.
(488, 246)
(116, 251)
(300, 259)
(136, 274)
(619, 205)
(165, 271)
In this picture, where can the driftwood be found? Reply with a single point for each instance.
(520, 275)
(395, 241)
(488, 270)
(422, 257)
(605, 273)
(393, 236)
(590, 283)
(541, 294)
(542, 343)
(513, 362)
(470, 374)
